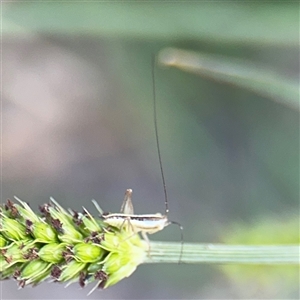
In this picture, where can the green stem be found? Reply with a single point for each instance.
(168, 252)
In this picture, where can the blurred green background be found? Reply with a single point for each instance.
(77, 113)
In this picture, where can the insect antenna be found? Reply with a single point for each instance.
(159, 155)
(156, 135)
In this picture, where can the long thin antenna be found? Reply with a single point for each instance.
(156, 135)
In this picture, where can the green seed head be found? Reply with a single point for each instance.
(118, 267)
(90, 223)
(2, 241)
(71, 271)
(44, 233)
(14, 253)
(65, 246)
(52, 253)
(25, 211)
(12, 229)
(62, 222)
(34, 272)
(88, 252)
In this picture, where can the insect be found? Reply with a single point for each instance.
(146, 223)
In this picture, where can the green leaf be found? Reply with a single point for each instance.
(240, 73)
(268, 23)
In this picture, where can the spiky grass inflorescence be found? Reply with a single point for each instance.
(67, 246)
(64, 246)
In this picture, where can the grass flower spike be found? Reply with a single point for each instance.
(68, 246)
(65, 246)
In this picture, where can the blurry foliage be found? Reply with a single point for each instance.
(268, 231)
(240, 73)
(252, 22)
(230, 152)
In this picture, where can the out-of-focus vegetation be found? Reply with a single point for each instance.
(78, 124)
(268, 231)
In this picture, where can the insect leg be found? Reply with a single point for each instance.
(145, 237)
